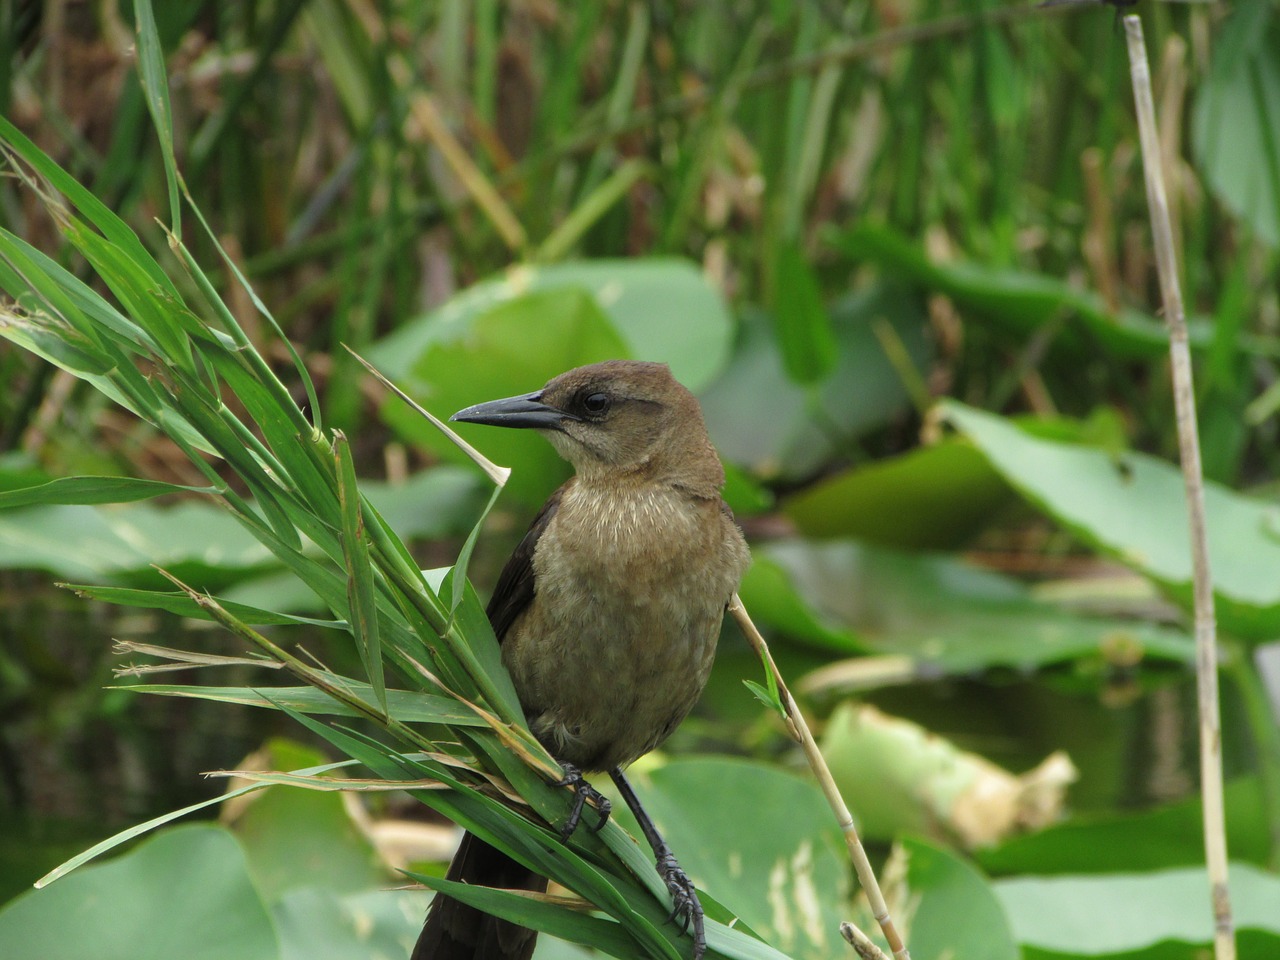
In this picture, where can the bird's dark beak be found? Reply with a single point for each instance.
(527, 411)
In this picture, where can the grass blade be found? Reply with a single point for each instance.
(360, 588)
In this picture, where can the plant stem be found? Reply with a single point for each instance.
(1215, 835)
(857, 853)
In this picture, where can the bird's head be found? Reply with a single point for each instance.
(620, 417)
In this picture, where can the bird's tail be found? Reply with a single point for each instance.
(455, 931)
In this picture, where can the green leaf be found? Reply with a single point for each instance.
(155, 85)
(1133, 508)
(458, 576)
(407, 706)
(1235, 124)
(785, 877)
(663, 309)
(363, 615)
(171, 897)
(318, 924)
(90, 490)
(760, 419)
(1125, 842)
(605, 935)
(296, 838)
(1123, 914)
(936, 498)
(195, 541)
(801, 324)
(769, 697)
(98, 213)
(1022, 302)
(958, 913)
(514, 346)
(852, 597)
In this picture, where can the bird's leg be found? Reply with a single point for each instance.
(685, 906)
(582, 792)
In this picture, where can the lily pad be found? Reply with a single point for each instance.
(184, 893)
(1132, 506)
(662, 308)
(514, 347)
(1163, 914)
(936, 497)
(852, 597)
(785, 877)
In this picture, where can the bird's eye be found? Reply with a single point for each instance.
(596, 403)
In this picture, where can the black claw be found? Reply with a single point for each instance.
(686, 909)
(582, 792)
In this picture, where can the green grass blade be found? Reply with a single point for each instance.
(94, 210)
(407, 706)
(593, 207)
(155, 87)
(360, 589)
(605, 935)
(183, 605)
(90, 490)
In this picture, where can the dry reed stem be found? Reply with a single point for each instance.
(1215, 841)
(800, 730)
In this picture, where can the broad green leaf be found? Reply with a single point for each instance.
(171, 897)
(936, 497)
(195, 541)
(662, 308)
(296, 838)
(956, 912)
(785, 876)
(318, 924)
(407, 706)
(1124, 842)
(1162, 914)
(515, 346)
(760, 419)
(1235, 126)
(852, 597)
(1132, 506)
(81, 543)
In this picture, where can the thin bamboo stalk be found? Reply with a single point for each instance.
(1215, 839)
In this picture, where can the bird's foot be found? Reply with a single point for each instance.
(582, 792)
(686, 909)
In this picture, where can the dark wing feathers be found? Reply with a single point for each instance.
(514, 590)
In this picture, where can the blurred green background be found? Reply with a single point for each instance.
(900, 251)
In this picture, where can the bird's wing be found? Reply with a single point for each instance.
(514, 590)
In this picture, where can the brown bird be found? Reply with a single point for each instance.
(608, 612)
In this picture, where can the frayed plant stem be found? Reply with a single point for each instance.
(857, 853)
(1189, 447)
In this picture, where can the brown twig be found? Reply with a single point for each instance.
(1189, 447)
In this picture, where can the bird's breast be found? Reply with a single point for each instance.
(629, 593)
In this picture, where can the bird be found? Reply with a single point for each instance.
(607, 612)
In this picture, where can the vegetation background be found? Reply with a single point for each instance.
(899, 249)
